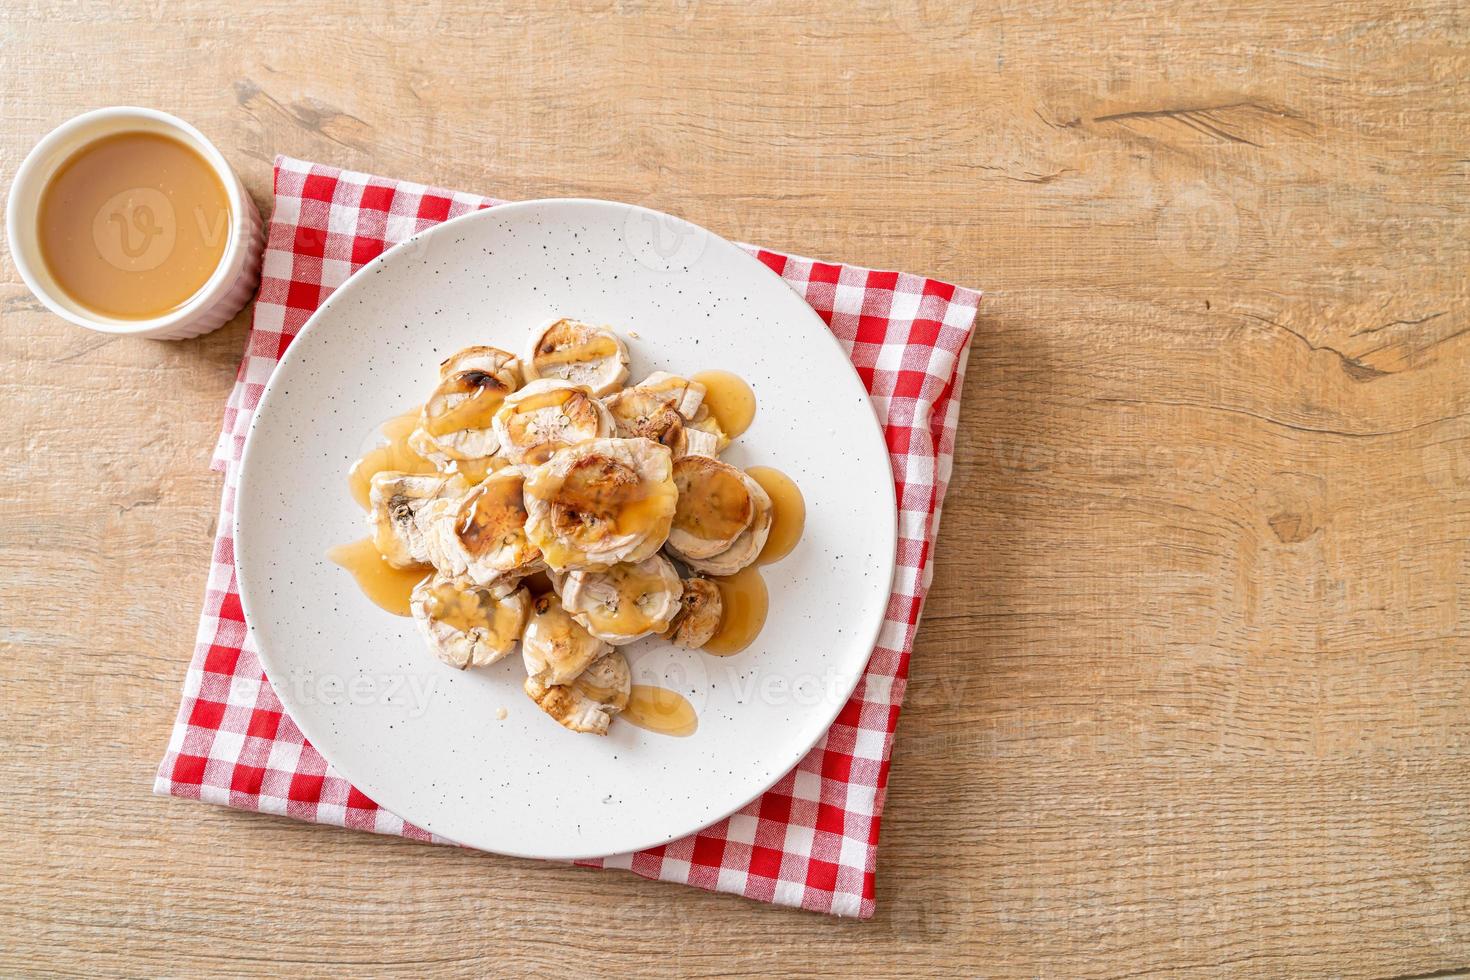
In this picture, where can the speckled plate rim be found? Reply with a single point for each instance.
(369, 781)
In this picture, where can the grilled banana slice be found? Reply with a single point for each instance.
(548, 415)
(555, 647)
(483, 358)
(700, 611)
(687, 396)
(580, 353)
(402, 514)
(709, 512)
(601, 502)
(700, 442)
(468, 625)
(625, 602)
(715, 507)
(483, 536)
(638, 413)
(589, 702)
(662, 407)
(455, 423)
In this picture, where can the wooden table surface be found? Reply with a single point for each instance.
(1192, 691)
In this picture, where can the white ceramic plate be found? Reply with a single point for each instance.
(423, 739)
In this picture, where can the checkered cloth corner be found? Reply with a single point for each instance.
(811, 841)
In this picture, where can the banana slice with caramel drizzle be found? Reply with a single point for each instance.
(478, 357)
(702, 432)
(638, 413)
(601, 502)
(715, 507)
(556, 648)
(578, 352)
(455, 423)
(625, 602)
(588, 703)
(548, 415)
(483, 536)
(404, 508)
(661, 407)
(723, 517)
(687, 396)
(701, 610)
(468, 625)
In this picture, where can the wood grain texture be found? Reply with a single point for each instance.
(1192, 692)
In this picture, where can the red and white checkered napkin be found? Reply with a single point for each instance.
(811, 841)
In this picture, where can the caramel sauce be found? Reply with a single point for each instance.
(385, 585)
(475, 470)
(639, 515)
(555, 352)
(132, 225)
(659, 710)
(788, 517)
(673, 384)
(745, 601)
(394, 455)
(729, 400)
(542, 400)
(480, 397)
